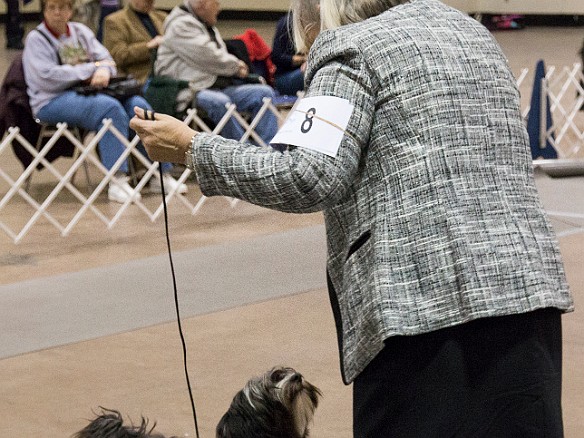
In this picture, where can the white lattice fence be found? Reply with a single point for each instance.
(563, 88)
(90, 200)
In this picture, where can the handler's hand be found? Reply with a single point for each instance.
(165, 138)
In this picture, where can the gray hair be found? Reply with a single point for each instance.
(310, 16)
(194, 4)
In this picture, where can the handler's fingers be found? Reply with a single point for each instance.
(136, 123)
(142, 127)
(140, 112)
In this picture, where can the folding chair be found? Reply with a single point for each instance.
(47, 131)
(84, 137)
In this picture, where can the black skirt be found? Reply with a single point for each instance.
(494, 378)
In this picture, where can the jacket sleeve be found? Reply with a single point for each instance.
(299, 179)
(190, 41)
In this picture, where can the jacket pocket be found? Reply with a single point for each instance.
(358, 243)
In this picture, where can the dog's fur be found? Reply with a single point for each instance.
(278, 404)
(110, 424)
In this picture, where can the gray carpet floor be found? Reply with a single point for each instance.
(63, 309)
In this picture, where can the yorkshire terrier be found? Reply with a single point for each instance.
(110, 424)
(278, 404)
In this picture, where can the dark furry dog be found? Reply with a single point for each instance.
(278, 404)
(110, 424)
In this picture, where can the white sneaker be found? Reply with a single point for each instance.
(120, 191)
(170, 184)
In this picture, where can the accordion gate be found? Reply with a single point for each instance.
(563, 88)
(12, 187)
(565, 97)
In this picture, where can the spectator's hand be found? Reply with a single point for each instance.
(100, 77)
(303, 67)
(298, 59)
(242, 71)
(155, 42)
(165, 138)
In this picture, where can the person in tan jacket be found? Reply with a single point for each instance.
(130, 35)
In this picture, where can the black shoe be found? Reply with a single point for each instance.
(15, 45)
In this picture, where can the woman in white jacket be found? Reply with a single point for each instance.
(194, 51)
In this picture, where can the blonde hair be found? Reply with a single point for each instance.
(305, 23)
(311, 16)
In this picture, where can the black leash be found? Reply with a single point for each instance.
(182, 338)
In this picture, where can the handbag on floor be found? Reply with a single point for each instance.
(161, 91)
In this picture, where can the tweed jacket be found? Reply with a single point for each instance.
(189, 53)
(430, 205)
(125, 37)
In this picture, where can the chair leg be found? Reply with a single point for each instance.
(84, 138)
(42, 134)
(87, 178)
(27, 183)
(132, 171)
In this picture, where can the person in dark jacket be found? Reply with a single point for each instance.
(290, 66)
(14, 27)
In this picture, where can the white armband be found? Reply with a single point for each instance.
(316, 123)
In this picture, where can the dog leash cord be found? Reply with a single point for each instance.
(180, 331)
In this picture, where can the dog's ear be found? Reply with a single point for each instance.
(268, 418)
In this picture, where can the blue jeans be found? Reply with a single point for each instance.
(247, 98)
(290, 82)
(88, 112)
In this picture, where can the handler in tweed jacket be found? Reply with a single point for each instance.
(129, 41)
(444, 273)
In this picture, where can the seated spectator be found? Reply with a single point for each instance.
(130, 35)
(87, 12)
(290, 66)
(193, 50)
(258, 54)
(60, 54)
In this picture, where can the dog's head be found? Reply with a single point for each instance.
(277, 404)
(110, 424)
